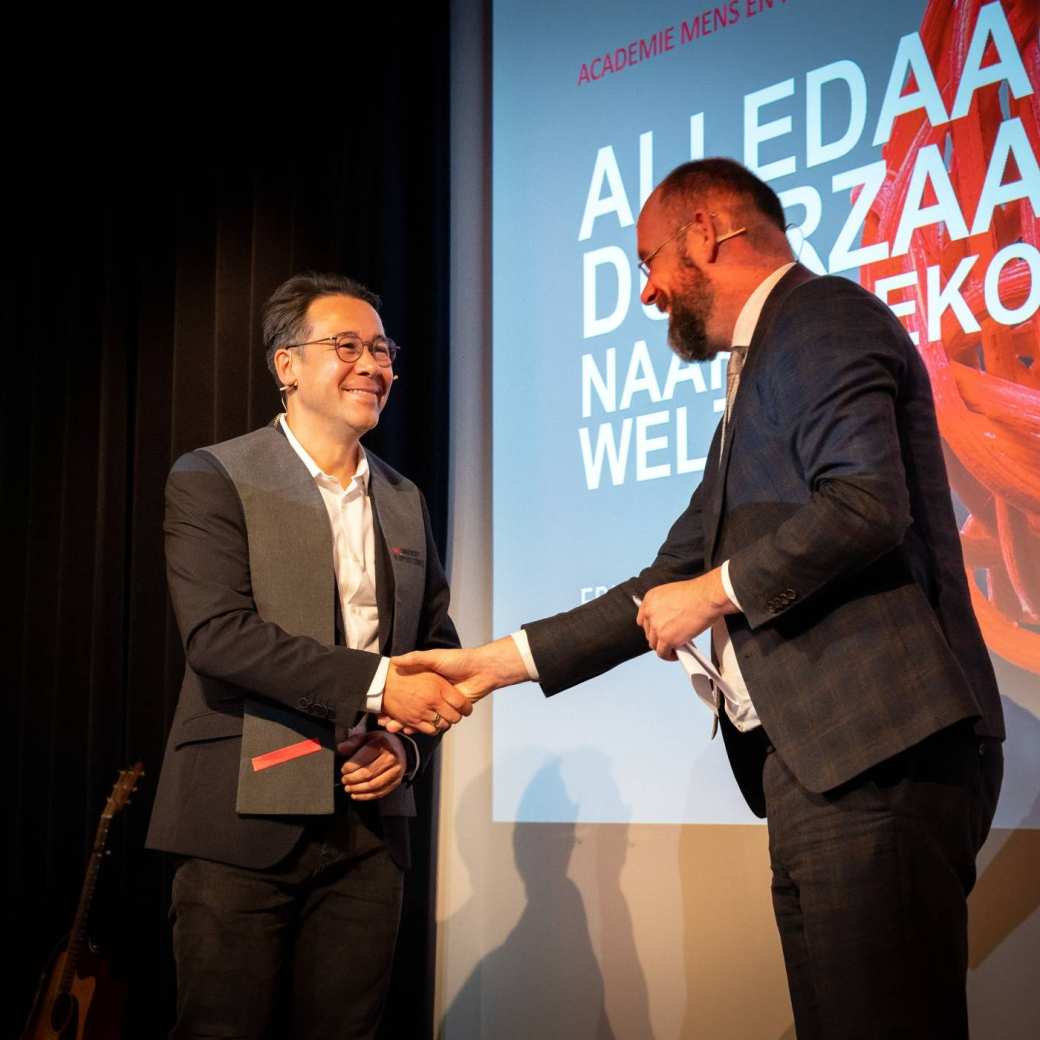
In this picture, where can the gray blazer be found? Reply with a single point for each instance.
(857, 637)
(249, 567)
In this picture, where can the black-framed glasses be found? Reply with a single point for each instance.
(644, 264)
(349, 347)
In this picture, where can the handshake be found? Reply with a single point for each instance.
(428, 691)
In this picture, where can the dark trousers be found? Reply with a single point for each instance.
(870, 883)
(301, 950)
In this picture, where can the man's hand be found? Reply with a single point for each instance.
(419, 700)
(674, 613)
(475, 673)
(375, 765)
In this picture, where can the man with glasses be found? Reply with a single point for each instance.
(297, 564)
(859, 708)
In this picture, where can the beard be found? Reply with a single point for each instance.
(691, 307)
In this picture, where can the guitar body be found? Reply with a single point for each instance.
(77, 998)
(90, 1010)
(60, 1015)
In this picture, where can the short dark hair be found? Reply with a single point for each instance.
(694, 180)
(285, 313)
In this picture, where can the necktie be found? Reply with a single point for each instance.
(736, 363)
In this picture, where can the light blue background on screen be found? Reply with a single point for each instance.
(632, 745)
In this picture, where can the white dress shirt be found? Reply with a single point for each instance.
(739, 708)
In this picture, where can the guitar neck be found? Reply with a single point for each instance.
(78, 935)
(124, 787)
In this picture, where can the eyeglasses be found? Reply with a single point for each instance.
(644, 264)
(349, 347)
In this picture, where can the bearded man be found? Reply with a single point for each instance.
(860, 712)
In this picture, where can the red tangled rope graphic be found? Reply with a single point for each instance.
(987, 383)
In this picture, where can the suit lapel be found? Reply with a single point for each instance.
(384, 584)
(398, 518)
(715, 475)
(293, 591)
(714, 484)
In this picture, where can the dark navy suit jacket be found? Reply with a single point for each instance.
(857, 637)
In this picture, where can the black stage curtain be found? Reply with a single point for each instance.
(138, 250)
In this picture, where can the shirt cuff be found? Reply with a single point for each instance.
(523, 646)
(374, 697)
(728, 586)
(416, 758)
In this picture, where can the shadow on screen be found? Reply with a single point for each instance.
(729, 931)
(544, 980)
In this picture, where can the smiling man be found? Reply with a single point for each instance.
(297, 563)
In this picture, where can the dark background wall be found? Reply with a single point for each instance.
(139, 246)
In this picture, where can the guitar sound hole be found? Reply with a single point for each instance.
(63, 1013)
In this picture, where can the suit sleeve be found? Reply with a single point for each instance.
(207, 563)
(836, 387)
(577, 645)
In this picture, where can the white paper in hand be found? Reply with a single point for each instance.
(705, 678)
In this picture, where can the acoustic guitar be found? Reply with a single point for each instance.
(76, 999)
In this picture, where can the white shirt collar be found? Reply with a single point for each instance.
(360, 474)
(747, 320)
